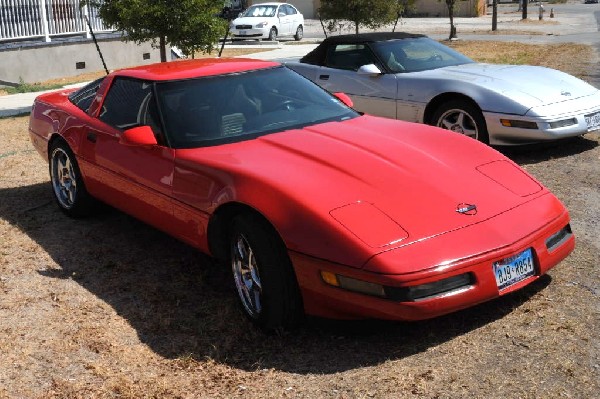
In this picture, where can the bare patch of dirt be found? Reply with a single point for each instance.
(108, 307)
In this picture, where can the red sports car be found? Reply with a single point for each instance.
(315, 208)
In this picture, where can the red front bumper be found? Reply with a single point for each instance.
(321, 299)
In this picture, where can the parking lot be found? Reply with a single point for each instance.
(109, 307)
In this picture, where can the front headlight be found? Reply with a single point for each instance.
(262, 24)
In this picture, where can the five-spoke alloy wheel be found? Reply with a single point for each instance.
(263, 274)
(67, 185)
(461, 117)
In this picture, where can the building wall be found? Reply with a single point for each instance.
(56, 60)
(429, 8)
(463, 8)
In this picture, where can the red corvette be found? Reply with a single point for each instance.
(315, 208)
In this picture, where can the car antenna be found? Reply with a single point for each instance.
(96, 42)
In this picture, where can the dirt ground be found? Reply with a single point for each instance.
(108, 307)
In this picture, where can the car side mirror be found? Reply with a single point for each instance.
(343, 97)
(369, 69)
(138, 136)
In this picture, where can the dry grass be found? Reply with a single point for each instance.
(575, 59)
(108, 307)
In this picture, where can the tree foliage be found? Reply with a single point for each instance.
(365, 13)
(191, 25)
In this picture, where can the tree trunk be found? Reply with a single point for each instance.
(495, 15)
(525, 8)
(452, 27)
(163, 49)
(356, 27)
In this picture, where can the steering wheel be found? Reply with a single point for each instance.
(287, 105)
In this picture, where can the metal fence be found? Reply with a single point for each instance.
(44, 19)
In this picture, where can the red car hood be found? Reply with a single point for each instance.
(383, 183)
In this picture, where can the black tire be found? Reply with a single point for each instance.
(462, 117)
(66, 181)
(263, 274)
(272, 34)
(299, 33)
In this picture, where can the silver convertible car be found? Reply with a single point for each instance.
(414, 78)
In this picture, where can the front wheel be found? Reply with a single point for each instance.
(67, 184)
(462, 117)
(263, 274)
(299, 33)
(272, 34)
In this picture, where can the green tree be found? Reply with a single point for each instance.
(367, 13)
(191, 25)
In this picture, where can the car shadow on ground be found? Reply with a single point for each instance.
(182, 305)
(540, 152)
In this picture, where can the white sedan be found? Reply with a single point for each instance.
(268, 21)
(414, 78)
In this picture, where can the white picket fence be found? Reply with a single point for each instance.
(44, 19)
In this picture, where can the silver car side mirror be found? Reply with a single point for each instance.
(369, 69)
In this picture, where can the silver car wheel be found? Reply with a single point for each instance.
(246, 276)
(299, 33)
(459, 121)
(64, 179)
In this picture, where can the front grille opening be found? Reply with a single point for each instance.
(563, 123)
(430, 290)
(556, 239)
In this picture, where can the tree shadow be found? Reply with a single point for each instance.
(540, 152)
(182, 304)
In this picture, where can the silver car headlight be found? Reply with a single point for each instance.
(262, 24)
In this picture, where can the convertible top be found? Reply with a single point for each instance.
(317, 56)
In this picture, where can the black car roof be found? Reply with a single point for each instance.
(317, 56)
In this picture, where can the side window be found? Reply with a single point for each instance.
(83, 97)
(282, 11)
(126, 103)
(349, 56)
(290, 10)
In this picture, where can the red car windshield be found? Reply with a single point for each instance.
(229, 108)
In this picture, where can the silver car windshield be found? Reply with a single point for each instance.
(416, 54)
(229, 108)
(260, 11)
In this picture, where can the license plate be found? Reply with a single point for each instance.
(514, 269)
(242, 33)
(593, 121)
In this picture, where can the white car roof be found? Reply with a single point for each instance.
(271, 3)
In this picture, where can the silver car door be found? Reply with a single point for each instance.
(410, 103)
(374, 94)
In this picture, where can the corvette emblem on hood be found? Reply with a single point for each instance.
(466, 209)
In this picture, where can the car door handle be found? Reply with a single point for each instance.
(91, 137)
(324, 77)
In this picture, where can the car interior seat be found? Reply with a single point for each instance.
(240, 108)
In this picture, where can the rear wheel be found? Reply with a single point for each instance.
(462, 117)
(299, 33)
(263, 274)
(67, 184)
